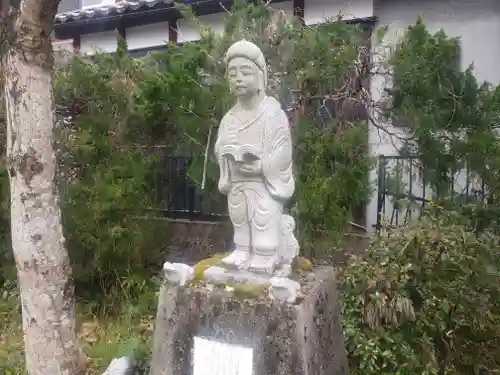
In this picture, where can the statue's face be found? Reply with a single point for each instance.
(243, 77)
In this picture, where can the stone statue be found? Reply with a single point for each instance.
(254, 153)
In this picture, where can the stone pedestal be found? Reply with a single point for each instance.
(269, 336)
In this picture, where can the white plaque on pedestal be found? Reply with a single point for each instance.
(211, 357)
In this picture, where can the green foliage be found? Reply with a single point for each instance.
(7, 273)
(425, 300)
(426, 63)
(102, 337)
(108, 177)
(114, 107)
(333, 179)
(422, 300)
(11, 354)
(190, 94)
(454, 119)
(175, 99)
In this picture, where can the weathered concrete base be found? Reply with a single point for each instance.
(287, 339)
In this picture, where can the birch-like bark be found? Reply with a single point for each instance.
(43, 266)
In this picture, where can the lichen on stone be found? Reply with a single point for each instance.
(243, 290)
(203, 265)
(249, 290)
(302, 264)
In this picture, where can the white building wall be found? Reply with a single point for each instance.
(476, 22)
(286, 6)
(317, 11)
(189, 31)
(62, 45)
(137, 37)
(148, 35)
(104, 41)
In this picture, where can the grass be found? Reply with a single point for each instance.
(102, 336)
(106, 338)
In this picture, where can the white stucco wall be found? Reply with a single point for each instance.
(286, 6)
(137, 37)
(95, 3)
(157, 34)
(189, 31)
(62, 45)
(316, 11)
(104, 41)
(476, 22)
(147, 35)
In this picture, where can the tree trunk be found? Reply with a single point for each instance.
(43, 266)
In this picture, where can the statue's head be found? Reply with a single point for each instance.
(246, 69)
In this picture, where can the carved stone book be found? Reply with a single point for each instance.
(241, 153)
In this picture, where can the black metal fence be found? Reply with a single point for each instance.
(180, 197)
(403, 189)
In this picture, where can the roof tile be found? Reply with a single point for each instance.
(107, 10)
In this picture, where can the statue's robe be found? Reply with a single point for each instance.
(255, 202)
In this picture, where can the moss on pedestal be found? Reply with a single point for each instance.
(302, 264)
(249, 290)
(203, 265)
(246, 290)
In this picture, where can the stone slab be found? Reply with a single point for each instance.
(285, 339)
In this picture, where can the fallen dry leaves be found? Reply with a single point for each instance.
(89, 331)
